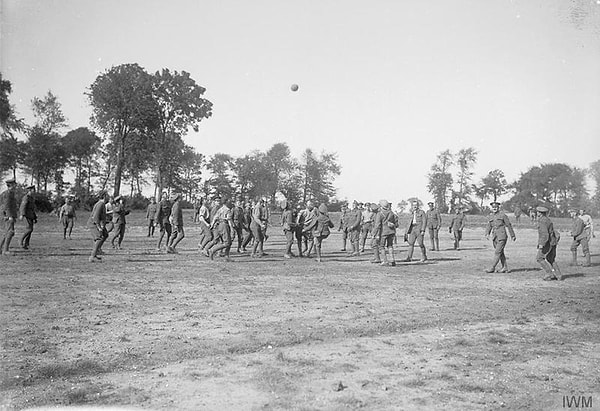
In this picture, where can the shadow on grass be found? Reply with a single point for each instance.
(525, 269)
(575, 275)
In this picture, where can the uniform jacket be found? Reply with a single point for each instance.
(420, 223)
(27, 209)
(368, 216)
(238, 216)
(385, 223)
(8, 205)
(151, 211)
(354, 219)
(321, 226)
(163, 212)
(287, 220)
(457, 223)
(98, 215)
(578, 229)
(434, 218)
(119, 213)
(497, 225)
(177, 213)
(67, 211)
(343, 222)
(546, 234)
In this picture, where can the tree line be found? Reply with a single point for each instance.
(556, 185)
(135, 139)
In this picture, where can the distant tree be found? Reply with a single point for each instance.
(138, 159)
(594, 172)
(279, 165)
(44, 157)
(465, 160)
(318, 173)
(440, 180)
(121, 100)
(48, 113)
(82, 148)
(492, 185)
(221, 181)
(190, 176)
(251, 175)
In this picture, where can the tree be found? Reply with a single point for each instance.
(11, 149)
(318, 173)
(179, 105)
(81, 148)
(440, 180)
(121, 100)
(494, 184)
(44, 157)
(190, 176)
(279, 164)
(465, 159)
(251, 174)
(48, 113)
(594, 172)
(221, 181)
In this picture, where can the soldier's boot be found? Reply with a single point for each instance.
(494, 264)
(392, 258)
(384, 255)
(573, 262)
(318, 252)
(548, 269)
(432, 244)
(437, 244)
(423, 254)
(411, 250)
(376, 257)
(557, 272)
(588, 260)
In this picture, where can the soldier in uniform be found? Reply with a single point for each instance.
(119, 212)
(368, 217)
(354, 220)
(384, 231)
(288, 225)
(238, 223)
(67, 216)
(204, 221)
(415, 232)
(27, 211)
(304, 223)
(320, 227)
(588, 224)
(546, 248)
(434, 222)
(176, 220)
(456, 226)
(580, 237)
(150, 214)
(376, 239)
(163, 212)
(343, 227)
(258, 227)
(498, 222)
(8, 212)
(97, 226)
(223, 226)
(246, 221)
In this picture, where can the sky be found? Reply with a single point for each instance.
(385, 84)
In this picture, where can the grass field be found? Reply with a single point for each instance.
(151, 330)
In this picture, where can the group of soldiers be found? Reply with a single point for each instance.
(223, 220)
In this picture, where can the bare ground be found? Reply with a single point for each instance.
(146, 329)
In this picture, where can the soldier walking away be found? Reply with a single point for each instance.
(8, 212)
(456, 226)
(288, 226)
(119, 212)
(385, 230)
(150, 214)
(67, 217)
(258, 227)
(304, 222)
(97, 226)
(434, 222)
(546, 247)
(176, 220)
(498, 222)
(415, 232)
(580, 237)
(27, 211)
(163, 212)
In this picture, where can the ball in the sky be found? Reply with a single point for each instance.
(294, 87)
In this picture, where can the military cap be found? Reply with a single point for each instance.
(494, 203)
(323, 209)
(355, 202)
(430, 203)
(541, 209)
(10, 181)
(384, 203)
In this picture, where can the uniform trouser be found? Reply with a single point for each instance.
(416, 237)
(67, 223)
(27, 235)
(222, 240)
(499, 255)
(151, 227)
(457, 238)
(165, 228)
(9, 232)
(247, 237)
(119, 234)
(434, 237)
(354, 239)
(546, 256)
(585, 245)
(309, 240)
(289, 241)
(239, 233)
(259, 237)
(177, 236)
(298, 236)
(206, 235)
(375, 246)
(365, 230)
(318, 243)
(99, 237)
(344, 237)
(386, 246)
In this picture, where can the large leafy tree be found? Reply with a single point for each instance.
(178, 106)
(122, 102)
(82, 149)
(440, 180)
(465, 160)
(48, 113)
(221, 181)
(493, 185)
(11, 149)
(318, 173)
(594, 171)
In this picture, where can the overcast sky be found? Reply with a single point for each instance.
(387, 85)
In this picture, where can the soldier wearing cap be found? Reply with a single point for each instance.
(343, 227)
(366, 228)
(163, 213)
(67, 217)
(546, 247)
(415, 231)
(150, 214)
(206, 235)
(176, 220)
(580, 237)
(238, 223)
(354, 221)
(384, 231)
(588, 224)
(288, 225)
(8, 212)
(434, 222)
(498, 222)
(320, 227)
(456, 226)
(119, 212)
(222, 225)
(258, 225)
(304, 222)
(27, 211)
(97, 226)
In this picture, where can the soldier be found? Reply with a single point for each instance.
(320, 227)
(546, 248)
(97, 226)
(163, 212)
(297, 229)
(258, 227)
(588, 224)
(150, 214)
(368, 217)
(288, 225)
(204, 221)
(518, 212)
(223, 226)
(434, 222)
(247, 219)
(67, 217)
(354, 220)
(8, 211)
(176, 220)
(580, 237)
(305, 222)
(456, 226)
(119, 212)
(376, 239)
(385, 231)
(498, 222)
(27, 211)
(238, 223)
(343, 227)
(415, 231)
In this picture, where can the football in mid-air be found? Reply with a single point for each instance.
(294, 87)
